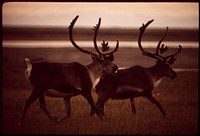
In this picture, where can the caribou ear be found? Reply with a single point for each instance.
(93, 56)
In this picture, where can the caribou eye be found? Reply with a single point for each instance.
(105, 62)
(109, 57)
(93, 56)
(171, 60)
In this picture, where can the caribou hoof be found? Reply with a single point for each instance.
(91, 114)
(55, 118)
(61, 119)
(103, 117)
(19, 123)
(166, 117)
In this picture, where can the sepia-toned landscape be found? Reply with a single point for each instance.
(178, 97)
(43, 31)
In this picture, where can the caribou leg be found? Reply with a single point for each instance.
(100, 105)
(90, 100)
(29, 101)
(43, 107)
(68, 109)
(67, 106)
(157, 103)
(133, 105)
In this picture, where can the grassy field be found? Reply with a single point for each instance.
(179, 98)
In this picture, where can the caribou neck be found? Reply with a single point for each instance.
(156, 72)
(95, 69)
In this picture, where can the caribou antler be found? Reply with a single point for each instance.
(72, 40)
(96, 29)
(105, 46)
(159, 50)
(171, 58)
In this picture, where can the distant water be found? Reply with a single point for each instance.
(188, 58)
(55, 44)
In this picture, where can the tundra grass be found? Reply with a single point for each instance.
(178, 97)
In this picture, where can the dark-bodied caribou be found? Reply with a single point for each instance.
(137, 81)
(68, 79)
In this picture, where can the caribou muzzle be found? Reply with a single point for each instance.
(173, 75)
(115, 68)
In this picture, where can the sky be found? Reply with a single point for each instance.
(124, 14)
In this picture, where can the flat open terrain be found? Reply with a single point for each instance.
(126, 34)
(179, 98)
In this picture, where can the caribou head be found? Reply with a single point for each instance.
(163, 62)
(102, 57)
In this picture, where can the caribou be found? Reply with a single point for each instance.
(68, 79)
(137, 81)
